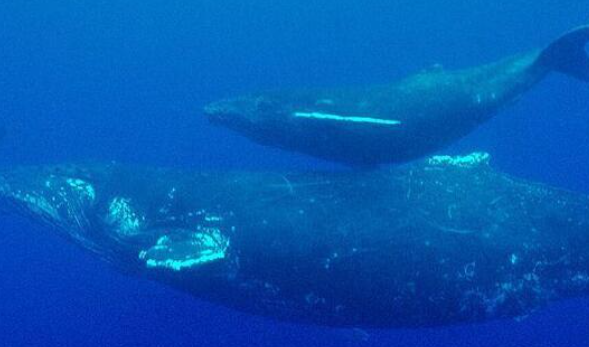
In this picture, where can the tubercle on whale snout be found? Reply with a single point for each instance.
(60, 200)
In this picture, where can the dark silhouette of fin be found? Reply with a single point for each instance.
(568, 54)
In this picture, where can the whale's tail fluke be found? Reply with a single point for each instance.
(568, 54)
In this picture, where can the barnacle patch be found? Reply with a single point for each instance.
(38, 204)
(123, 217)
(84, 188)
(186, 250)
(58, 198)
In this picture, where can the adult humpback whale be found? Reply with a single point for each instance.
(402, 121)
(445, 241)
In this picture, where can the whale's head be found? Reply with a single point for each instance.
(60, 198)
(259, 117)
(126, 219)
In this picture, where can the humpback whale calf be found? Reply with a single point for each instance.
(443, 241)
(401, 121)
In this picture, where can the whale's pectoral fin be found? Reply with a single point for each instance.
(320, 116)
(568, 54)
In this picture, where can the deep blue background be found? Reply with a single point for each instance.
(125, 80)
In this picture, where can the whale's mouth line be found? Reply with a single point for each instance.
(352, 119)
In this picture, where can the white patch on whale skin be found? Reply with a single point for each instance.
(38, 204)
(352, 119)
(201, 247)
(468, 161)
(58, 199)
(123, 217)
(84, 188)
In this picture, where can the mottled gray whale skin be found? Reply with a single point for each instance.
(440, 242)
(400, 121)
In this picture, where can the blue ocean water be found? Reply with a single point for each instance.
(126, 81)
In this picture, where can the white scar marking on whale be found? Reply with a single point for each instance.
(335, 117)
